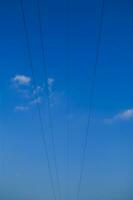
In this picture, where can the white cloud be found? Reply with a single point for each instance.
(38, 100)
(33, 95)
(125, 115)
(21, 80)
(38, 90)
(50, 83)
(122, 116)
(21, 108)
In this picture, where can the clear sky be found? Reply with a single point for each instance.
(109, 162)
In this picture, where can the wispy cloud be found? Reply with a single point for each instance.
(50, 81)
(28, 105)
(38, 90)
(21, 80)
(122, 116)
(29, 94)
(21, 108)
(50, 84)
(38, 100)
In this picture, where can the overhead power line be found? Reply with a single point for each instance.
(38, 106)
(45, 70)
(67, 64)
(90, 107)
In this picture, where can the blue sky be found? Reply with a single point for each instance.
(109, 163)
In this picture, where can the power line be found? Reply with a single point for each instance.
(43, 51)
(38, 107)
(90, 107)
(67, 61)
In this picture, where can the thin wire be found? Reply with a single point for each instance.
(38, 107)
(43, 51)
(67, 51)
(90, 107)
